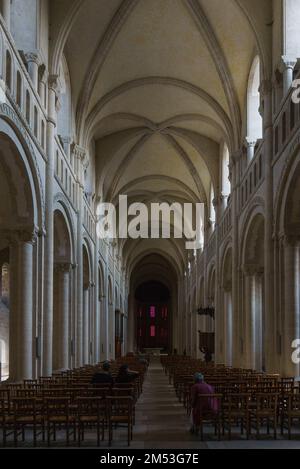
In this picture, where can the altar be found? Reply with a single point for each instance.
(153, 350)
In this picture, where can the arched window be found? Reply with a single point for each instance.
(254, 119)
(19, 90)
(28, 107)
(35, 122)
(64, 116)
(8, 72)
(226, 186)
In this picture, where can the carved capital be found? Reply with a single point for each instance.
(236, 156)
(53, 83)
(287, 62)
(33, 56)
(250, 142)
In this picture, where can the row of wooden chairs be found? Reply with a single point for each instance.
(240, 410)
(55, 413)
(246, 399)
(69, 403)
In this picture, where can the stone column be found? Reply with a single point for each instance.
(291, 305)
(80, 156)
(85, 331)
(33, 62)
(219, 343)
(21, 321)
(234, 179)
(49, 223)
(287, 67)
(61, 326)
(270, 326)
(6, 10)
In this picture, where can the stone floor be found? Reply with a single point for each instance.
(161, 423)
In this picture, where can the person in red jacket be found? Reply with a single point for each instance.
(201, 406)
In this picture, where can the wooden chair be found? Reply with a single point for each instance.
(27, 414)
(236, 412)
(6, 420)
(119, 411)
(90, 413)
(207, 413)
(58, 414)
(293, 412)
(264, 411)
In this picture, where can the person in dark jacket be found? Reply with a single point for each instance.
(103, 376)
(125, 375)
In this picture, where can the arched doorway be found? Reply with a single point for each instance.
(152, 316)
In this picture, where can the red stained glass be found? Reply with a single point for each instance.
(152, 331)
(152, 311)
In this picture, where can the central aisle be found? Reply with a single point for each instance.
(161, 421)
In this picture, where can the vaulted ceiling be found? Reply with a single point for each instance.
(159, 85)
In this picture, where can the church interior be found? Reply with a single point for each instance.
(164, 102)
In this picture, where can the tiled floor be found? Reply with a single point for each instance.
(161, 423)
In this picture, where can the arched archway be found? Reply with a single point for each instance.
(288, 226)
(152, 316)
(253, 285)
(150, 310)
(61, 292)
(20, 215)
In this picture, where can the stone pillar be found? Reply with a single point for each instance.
(80, 156)
(21, 320)
(49, 223)
(291, 305)
(234, 179)
(61, 327)
(33, 62)
(6, 10)
(85, 331)
(270, 326)
(287, 66)
(219, 343)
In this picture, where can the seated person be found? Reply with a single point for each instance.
(103, 376)
(201, 406)
(207, 354)
(125, 375)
